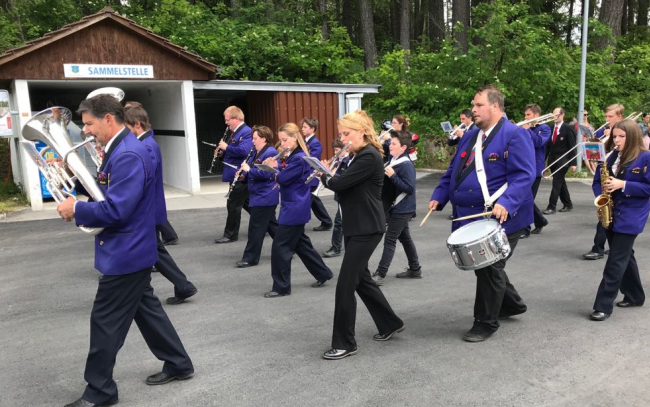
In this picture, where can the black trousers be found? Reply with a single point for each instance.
(237, 200)
(599, 239)
(168, 268)
(262, 221)
(119, 301)
(319, 209)
(560, 190)
(167, 231)
(287, 241)
(355, 277)
(337, 231)
(538, 216)
(398, 228)
(621, 272)
(494, 292)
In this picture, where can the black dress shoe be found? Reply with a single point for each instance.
(477, 334)
(323, 228)
(387, 336)
(548, 211)
(225, 240)
(537, 230)
(171, 242)
(336, 354)
(163, 378)
(592, 256)
(243, 264)
(566, 209)
(273, 294)
(331, 253)
(180, 300)
(628, 304)
(598, 316)
(319, 284)
(508, 314)
(84, 403)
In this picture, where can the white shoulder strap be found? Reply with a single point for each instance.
(481, 175)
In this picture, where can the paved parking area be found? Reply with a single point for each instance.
(252, 351)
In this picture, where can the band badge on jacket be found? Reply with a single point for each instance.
(637, 170)
(102, 178)
(493, 157)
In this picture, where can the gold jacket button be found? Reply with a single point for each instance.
(101, 243)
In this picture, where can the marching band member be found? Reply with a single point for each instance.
(508, 159)
(137, 120)
(398, 194)
(337, 231)
(562, 140)
(235, 152)
(613, 114)
(364, 223)
(629, 186)
(125, 252)
(466, 119)
(309, 125)
(295, 212)
(263, 196)
(539, 135)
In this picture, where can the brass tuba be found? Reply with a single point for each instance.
(604, 203)
(51, 127)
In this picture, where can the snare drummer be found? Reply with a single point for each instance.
(508, 157)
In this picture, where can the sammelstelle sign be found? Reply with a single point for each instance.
(108, 71)
(5, 115)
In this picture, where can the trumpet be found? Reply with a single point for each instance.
(452, 135)
(335, 162)
(538, 120)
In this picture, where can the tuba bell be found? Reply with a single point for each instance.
(50, 126)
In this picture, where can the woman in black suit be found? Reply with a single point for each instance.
(364, 223)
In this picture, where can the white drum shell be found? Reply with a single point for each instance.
(478, 244)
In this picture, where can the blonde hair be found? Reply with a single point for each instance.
(360, 121)
(234, 113)
(618, 109)
(292, 130)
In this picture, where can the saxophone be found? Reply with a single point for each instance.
(604, 203)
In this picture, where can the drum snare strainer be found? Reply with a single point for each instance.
(478, 244)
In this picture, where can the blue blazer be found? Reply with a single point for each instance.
(127, 177)
(261, 184)
(294, 193)
(315, 150)
(238, 148)
(539, 135)
(508, 156)
(156, 157)
(632, 203)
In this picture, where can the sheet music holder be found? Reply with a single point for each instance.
(317, 165)
(267, 168)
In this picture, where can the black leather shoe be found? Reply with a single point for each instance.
(273, 294)
(180, 300)
(243, 264)
(537, 231)
(477, 334)
(387, 336)
(171, 242)
(331, 253)
(628, 304)
(598, 316)
(163, 378)
(84, 403)
(336, 354)
(566, 209)
(323, 228)
(319, 284)
(592, 256)
(508, 314)
(548, 211)
(225, 240)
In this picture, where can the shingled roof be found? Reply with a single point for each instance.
(104, 14)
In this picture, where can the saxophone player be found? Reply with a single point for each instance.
(629, 185)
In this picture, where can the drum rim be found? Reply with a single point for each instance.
(492, 220)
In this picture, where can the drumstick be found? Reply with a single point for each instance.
(476, 215)
(426, 217)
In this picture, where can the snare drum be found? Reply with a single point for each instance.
(478, 244)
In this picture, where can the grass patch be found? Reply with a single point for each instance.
(11, 197)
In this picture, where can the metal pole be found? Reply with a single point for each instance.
(583, 74)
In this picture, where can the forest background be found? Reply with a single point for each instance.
(430, 56)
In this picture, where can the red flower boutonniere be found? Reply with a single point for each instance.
(463, 154)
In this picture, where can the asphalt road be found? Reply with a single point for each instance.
(252, 351)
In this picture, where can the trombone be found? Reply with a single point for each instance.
(541, 119)
(632, 116)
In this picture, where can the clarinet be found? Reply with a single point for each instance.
(335, 162)
(219, 151)
(239, 171)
